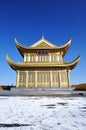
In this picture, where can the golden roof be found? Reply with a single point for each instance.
(26, 65)
(42, 44)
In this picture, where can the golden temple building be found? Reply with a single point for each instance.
(43, 65)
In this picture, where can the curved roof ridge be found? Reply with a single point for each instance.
(22, 49)
(43, 40)
(19, 44)
(67, 43)
(11, 62)
(15, 66)
(75, 61)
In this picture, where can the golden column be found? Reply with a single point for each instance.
(50, 78)
(59, 77)
(26, 79)
(17, 79)
(35, 79)
(68, 77)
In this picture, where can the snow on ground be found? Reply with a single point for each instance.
(43, 113)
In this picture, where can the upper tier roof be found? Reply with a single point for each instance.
(42, 44)
(27, 65)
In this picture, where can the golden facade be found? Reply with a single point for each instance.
(43, 65)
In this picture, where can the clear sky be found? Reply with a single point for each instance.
(26, 20)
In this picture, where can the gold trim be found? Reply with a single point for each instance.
(22, 49)
(26, 65)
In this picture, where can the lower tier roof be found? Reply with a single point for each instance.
(28, 65)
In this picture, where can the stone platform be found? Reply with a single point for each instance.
(46, 91)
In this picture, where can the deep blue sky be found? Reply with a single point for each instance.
(28, 19)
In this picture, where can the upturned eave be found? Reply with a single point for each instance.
(27, 65)
(26, 49)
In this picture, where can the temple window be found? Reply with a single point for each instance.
(54, 58)
(43, 58)
(43, 77)
(30, 78)
(22, 78)
(63, 77)
(32, 58)
(55, 77)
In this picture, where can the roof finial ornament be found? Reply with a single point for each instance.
(42, 35)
